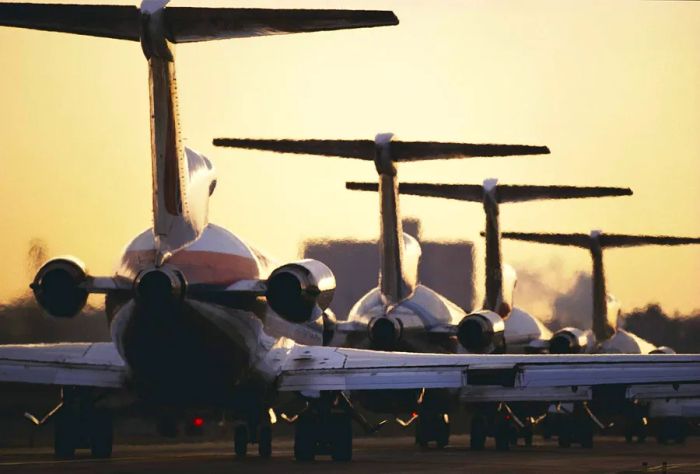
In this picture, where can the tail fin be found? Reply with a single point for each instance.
(185, 24)
(396, 281)
(604, 318)
(491, 194)
(364, 149)
(182, 180)
(505, 193)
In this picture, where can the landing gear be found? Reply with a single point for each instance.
(672, 429)
(575, 427)
(265, 441)
(256, 430)
(324, 428)
(80, 424)
(240, 441)
(432, 427)
(479, 432)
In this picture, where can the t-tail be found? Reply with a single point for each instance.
(182, 179)
(500, 280)
(605, 319)
(398, 277)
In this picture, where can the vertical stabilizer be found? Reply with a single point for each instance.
(396, 281)
(499, 290)
(182, 179)
(605, 317)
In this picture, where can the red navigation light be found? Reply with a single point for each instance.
(198, 422)
(414, 414)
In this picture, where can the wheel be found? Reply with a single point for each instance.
(265, 441)
(442, 435)
(502, 435)
(565, 434)
(527, 435)
(341, 433)
(240, 440)
(66, 433)
(304, 440)
(422, 431)
(586, 435)
(101, 434)
(477, 439)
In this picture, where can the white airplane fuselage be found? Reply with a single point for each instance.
(197, 352)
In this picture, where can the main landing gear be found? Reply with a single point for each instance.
(499, 422)
(79, 423)
(431, 426)
(254, 431)
(325, 427)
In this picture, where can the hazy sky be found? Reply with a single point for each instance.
(610, 87)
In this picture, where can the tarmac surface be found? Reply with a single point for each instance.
(371, 455)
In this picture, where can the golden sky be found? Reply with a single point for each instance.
(610, 87)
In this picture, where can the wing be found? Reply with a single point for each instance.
(488, 377)
(85, 364)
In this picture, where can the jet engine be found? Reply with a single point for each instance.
(384, 333)
(160, 286)
(58, 287)
(300, 291)
(663, 350)
(569, 341)
(482, 332)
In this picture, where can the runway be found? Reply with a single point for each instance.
(371, 455)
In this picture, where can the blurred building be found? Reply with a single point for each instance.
(446, 267)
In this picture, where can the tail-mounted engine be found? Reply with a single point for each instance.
(157, 287)
(482, 332)
(663, 350)
(300, 291)
(384, 333)
(570, 341)
(59, 287)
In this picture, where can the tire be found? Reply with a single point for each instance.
(66, 434)
(477, 439)
(565, 435)
(586, 437)
(442, 438)
(101, 434)
(341, 444)
(527, 435)
(304, 440)
(240, 441)
(265, 442)
(502, 435)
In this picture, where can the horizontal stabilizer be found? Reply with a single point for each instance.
(365, 149)
(186, 24)
(621, 240)
(504, 192)
(575, 240)
(521, 193)
(108, 21)
(606, 240)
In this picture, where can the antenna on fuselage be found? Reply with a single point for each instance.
(397, 280)
(491, 195)
(604, 324)
(182, 179)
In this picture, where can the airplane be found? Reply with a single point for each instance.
(200, 319)
(399, 314)
(500, 326)
(606, 336)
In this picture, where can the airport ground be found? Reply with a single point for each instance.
(371, 455)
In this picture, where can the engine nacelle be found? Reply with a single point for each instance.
(300, 291)
(58, 287)
(663, 350)
(569, 341)
(384, 333)
(156, 287)
(482, 332)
